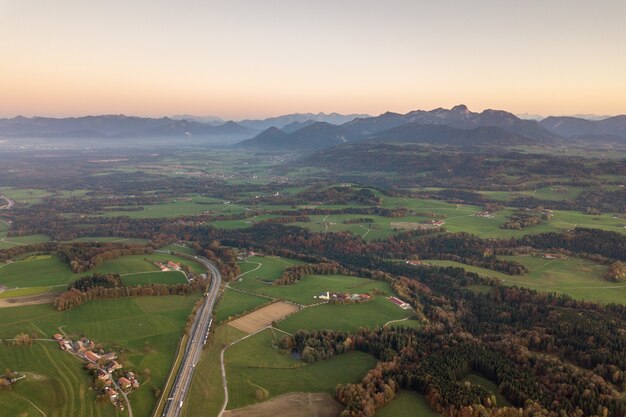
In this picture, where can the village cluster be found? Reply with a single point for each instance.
(168, 266)
(107, 372)
(336, 297)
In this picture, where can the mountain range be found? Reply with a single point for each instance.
(115, 127)
(457, 126)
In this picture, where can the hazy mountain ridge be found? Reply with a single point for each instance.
(457, 126)
(315, 136)
(114, 126)
(576, 127)
(287, 119)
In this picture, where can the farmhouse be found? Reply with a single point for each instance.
(113, 366)
(112, 394)
(92, 357)
(124, 383)
(173, 265)
(400, 303)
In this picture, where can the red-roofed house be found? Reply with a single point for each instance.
(92, 357)
(124, 383)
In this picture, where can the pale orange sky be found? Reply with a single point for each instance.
(238, 59)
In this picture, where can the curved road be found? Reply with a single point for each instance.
(10, 203)
(197, 339)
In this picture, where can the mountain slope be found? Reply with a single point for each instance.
(612, 128)
(459, 117)
(446, 135)
(282, 121)
(312, 137)
(113, 126)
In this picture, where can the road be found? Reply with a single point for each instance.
(10, 203)
(197, 338)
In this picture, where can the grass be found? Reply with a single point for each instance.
(145, 331)
(181, 207)
(176, 247)
(347, 317)
(313, 285)
(579, 278)
(157, 277)
(253, 364)
(256, 278)
(55, 382)
(458, 219)
(52, 271)
(206, 394)
(407, 404)
(24, 292)
(234, 302)
(490, 386)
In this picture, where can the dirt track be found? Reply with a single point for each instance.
(28, 300)
(295, 404)
(263, 317)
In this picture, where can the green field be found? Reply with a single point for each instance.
(53, 272)
(145, 330)
(407, 404)
(347, 317)
(182, 207)
(176, 247)
(579, 278)
(234, 302)
(258, 271)
(55, 382)
(156, 277)
(277, 373)
(205, 396)
(490, 386)
(458, 219)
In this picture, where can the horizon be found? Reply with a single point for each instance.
(219, 118)
(242, 59)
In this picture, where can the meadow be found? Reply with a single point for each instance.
(234, 302)
(407, 404)
(144, 330)
(258, 271)
(55, 383)
(579, 278)
(458, 219)
(182, 207)
(278, 373)
(348, 317)
(50, 272)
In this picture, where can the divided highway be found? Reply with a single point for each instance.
(197, 338)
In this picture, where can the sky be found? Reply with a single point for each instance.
(256, 58)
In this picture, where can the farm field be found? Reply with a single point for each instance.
(146, 328)
(156, 277)
(279, 374)
(347, 317)
(51, 271)
(7, 242)
(258, 271)
(579, 278)
(235, 302)
(55, 383)
(458, 219)
(205, 396)
(176, 247)
(293, 404)
(407, 404)
(183, 207)
(263, 317)
(309, 287)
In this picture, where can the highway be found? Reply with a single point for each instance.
(197, 338)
